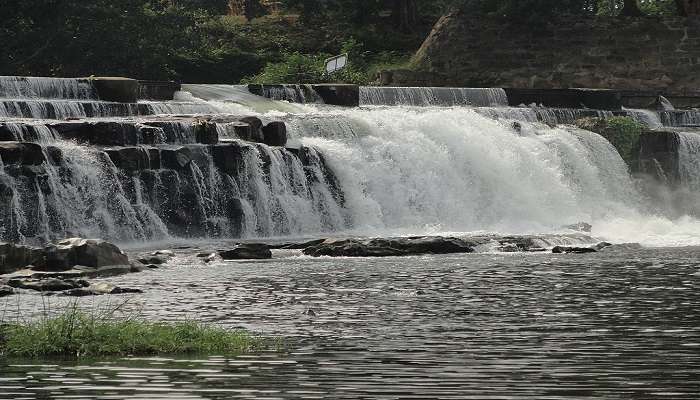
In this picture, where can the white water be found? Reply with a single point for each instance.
(401, 169)
(432, 96)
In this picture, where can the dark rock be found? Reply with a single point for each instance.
(91, 253)
(15, 257)
(21, 153)
(247, 251)
(177, 158)
(6, 291)
(572, 250)
(120, 90)
(301, 245)
(275, 134)
(154, 259)
(46, 285)
(100, 289)
(390, 247)
(130, 158)
(600, 246)
(107, 133)
(339, 95)
(256, 129)
(206, 132)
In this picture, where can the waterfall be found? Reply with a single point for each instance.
(456, 170)
(435, 96)
(689, 160)
(461, 162)
(45, 88)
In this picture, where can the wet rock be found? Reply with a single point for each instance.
(247, 251)
(154, 259)
(573, 250)
(206, 133)
(16, 257)
(390, 247)
(600, 246)
(256, 129)
(300, 245)
(101, 288)
(90, 253)
(21, 153)
(47, 285)
(166, 253)
(275, 134)
(6, 291)
(177, 158)
(623, 247)
(130, 158)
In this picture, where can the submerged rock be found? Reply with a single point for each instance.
(6, 291)
(573, 250)
(47, 285)
(247, 251)
(100, 289)
(387, 247)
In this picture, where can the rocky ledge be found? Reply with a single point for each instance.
(387, 247)
(62, 266)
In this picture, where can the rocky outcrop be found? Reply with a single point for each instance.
(471, 50)
(247, 251)
(381, 247)
(14, 257)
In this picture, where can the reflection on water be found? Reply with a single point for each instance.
(607, 325)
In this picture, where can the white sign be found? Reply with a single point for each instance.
(336, 63)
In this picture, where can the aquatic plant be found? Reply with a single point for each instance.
(75, 333)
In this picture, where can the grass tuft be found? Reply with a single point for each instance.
(75, 334)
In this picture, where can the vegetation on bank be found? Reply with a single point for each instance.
(622, 132)
(75, 334)
(201, 41)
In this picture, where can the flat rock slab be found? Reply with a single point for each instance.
(390, 247)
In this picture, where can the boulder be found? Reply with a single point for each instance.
(275, 134)
(390, 247)
(91, 253)
(247, 251)
(15, 257)
(21, 153)
(256, 129)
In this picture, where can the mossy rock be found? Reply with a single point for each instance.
(621, 132)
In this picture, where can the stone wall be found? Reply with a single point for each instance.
(661, 55)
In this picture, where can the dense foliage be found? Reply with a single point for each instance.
(194, 41)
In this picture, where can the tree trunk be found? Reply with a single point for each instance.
(405, 14)
(631, 9)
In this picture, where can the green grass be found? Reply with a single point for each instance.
(75, 334)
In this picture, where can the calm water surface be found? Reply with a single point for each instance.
(618, 325)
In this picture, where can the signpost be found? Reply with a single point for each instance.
(336, 63)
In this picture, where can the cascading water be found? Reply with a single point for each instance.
(444, 167)
(432, 96)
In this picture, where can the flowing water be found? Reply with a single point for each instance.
(617, 324)
(613, 325)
